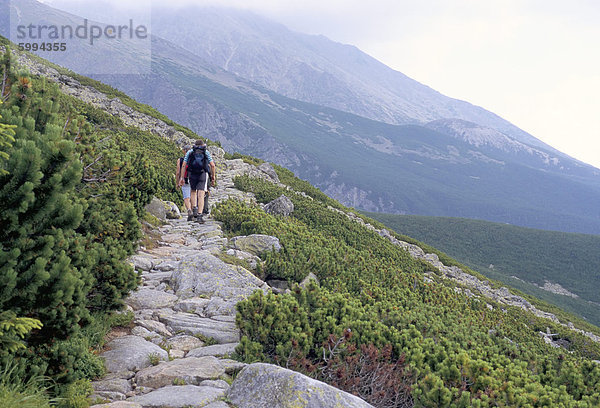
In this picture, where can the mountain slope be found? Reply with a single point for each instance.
(560, 268)
(315, 69)
(379, 308)
(364, 163)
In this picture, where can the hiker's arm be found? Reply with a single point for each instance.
(181, 177)
(177, 172)
(212, 172)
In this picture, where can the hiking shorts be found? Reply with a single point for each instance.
(199, 182)
(186, 190)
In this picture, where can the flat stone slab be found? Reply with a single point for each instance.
(268, 386)
(130, 353)
(206, 275)
(180, 396)
(150, 299)
(184, 343)
(154, 326)
(191, 371)
(217, 350)
(118, 404)
(221, 331)
(255, 244)
(119, 385)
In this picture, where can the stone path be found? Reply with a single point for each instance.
(177, 354)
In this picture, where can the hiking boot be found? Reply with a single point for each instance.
(190, 215)
(200, 219)
(194, 214)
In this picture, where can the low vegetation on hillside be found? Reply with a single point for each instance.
(73, 182)
(374, 311)
(524, 258)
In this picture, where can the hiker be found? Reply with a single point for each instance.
(185, 188)
(198, 163)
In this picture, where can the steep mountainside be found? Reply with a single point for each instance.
(364, 163)
(561, 268)
(314, 69)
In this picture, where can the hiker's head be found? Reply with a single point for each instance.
(199, 142)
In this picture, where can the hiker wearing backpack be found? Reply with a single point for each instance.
(199, 164)
(185, 188)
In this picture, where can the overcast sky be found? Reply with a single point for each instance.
(535, 63)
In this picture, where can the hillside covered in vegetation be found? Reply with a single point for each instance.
(533, 261)
(73, 187)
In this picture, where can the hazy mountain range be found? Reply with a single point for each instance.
(367, 135)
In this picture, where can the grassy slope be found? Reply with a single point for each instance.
(532, 256)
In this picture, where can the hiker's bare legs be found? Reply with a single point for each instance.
(194, 198)
(200, 201)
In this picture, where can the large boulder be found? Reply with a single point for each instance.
(205, 275)
(173, 212)
(255, 244)
(280, 206)
(158, 208)
(131, 353)
(269, 171)
(268, 386)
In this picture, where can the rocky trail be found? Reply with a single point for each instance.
(177, 353)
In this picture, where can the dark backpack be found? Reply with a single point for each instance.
(197, 162)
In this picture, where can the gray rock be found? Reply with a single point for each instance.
(278, 285)
(142, 263)
(115, 385)
(256, 243)
(173, 238)
(166, 266)
(309, 277)
(184, 343)
(220, 331)
(180, 396)
(173, 212)
(130, 353)
(118, 404)
(107, 395)
(217, 350)
(154, 326)
(269, 171)
(150, 299)
(219, 307)
(191, 370)
(158, 208)
(192, 305)
(206, 275)
(222, 384)
(218, 404)
(268, 386)
(280, 206)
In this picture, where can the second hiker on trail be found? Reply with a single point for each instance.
(199, 163)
